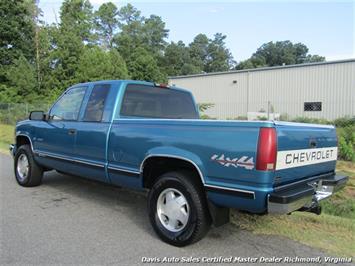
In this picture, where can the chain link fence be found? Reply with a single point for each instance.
(10, 113)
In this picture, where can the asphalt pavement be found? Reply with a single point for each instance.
(70, 220)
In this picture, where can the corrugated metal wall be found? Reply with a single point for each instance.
(286, 88)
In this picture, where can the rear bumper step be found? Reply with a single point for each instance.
(306, 196)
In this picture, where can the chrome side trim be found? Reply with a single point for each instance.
(249, 192)
(174, 157)
(60, 157)
(123, 170)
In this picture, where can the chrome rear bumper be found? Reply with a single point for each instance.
(305, 196)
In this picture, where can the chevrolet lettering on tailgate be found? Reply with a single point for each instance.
(297, 158)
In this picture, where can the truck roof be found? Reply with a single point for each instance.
(128, 81)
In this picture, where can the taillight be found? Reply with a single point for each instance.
(267, 149)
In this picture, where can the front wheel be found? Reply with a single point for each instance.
(27, 172)
(178, 209)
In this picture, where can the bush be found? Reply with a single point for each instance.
(204, 116)
(344, 121)
(346, 137)
(311, 120)
(241, 117)
(346, 150)
(345, 131)
(202, 107)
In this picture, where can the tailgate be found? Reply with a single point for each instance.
(304, 150)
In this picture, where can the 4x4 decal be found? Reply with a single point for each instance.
(244, 161)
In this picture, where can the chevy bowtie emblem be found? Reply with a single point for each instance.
(244, 161)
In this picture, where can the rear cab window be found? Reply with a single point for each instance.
(155, 102)
(96, 104)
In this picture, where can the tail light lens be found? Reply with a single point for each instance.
(267, 150)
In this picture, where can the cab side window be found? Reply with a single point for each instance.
(68, 106)
(96, 103)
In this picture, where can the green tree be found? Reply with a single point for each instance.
(177, 60)
(154, 34)
(22, 79)
(69, 40)
(143, 66)
(199, 51)
(77, 16)
(219, 57)
(96, 64)
(210, 55)
(252, 62)
(129, 14)
(50, 62)
(280, 53)
(17, 33)
(138, 31)
(106, 21)
(131, 26)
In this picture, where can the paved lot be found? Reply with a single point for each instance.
(68, 220)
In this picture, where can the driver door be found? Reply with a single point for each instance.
(56, 139)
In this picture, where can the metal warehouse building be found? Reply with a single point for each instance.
(319, 90)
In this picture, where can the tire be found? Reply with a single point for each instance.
(190, 221)
(30, 175)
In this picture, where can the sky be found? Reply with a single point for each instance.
(326, 27)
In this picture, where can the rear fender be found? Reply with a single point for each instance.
(176, 153)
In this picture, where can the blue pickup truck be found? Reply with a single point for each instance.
(149, 136)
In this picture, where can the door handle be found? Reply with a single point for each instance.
(72, 131)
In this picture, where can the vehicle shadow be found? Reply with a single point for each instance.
(76, 189)
(133, 204)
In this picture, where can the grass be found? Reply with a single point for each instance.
(333, 234)
(6, 137)
(333, 231)
(343, 203)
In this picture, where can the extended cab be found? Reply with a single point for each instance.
(148, 136)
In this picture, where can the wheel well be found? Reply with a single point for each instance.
(156, 166)
(22, 140)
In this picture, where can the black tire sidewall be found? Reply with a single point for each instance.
(23, 150)
(184, 236)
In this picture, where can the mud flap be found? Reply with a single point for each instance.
(220, 215)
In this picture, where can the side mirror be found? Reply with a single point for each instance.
(36, 115)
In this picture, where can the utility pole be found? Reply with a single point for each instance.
(36, 21)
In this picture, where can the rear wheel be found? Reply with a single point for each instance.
(178, 209)
(27, 172)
